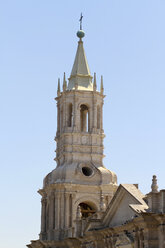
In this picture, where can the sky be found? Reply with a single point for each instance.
(125, 42)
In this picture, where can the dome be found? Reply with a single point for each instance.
(81, 173)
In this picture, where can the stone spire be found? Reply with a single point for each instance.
(94, 83)
(64, 83)
(154, 185)
(80, 66)
(101, 86)
(58, 88)
(80, 74)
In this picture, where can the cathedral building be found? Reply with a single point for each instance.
(81, 203)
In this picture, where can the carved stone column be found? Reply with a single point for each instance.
(73, 215)
(109, 242)
(75, 114)
(51, 211)
(58, 118)
(161, 233)
(43, 215)
(65, 114)
(141, 239)
(90, 119)
(62, 213)
(94, 115)
(146, 238)
(101, 117)
(61, 118)
(84, 124)
(136, 239)
(66, 209)
(57, 212)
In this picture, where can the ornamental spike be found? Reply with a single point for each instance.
(101, 86)
(64, 83)
(154, 185)
(94, 84)
(58, 88)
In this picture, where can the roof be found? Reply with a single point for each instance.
(135, 192)
(80, 65)
(127, 199)
(80, 77)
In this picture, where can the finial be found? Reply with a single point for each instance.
(94, 83)
(102, 204)
(80, 33)
(79, 214)
(81, 17)
(154, 185)
(58, 88)
(64, 83)
(101, 86)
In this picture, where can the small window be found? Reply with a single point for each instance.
(87, 171)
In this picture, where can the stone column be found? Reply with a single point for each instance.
(66, 209)
(136, 239)
(84, 124)
(62, 213)
(58, 118)
(141, 240)
(61, 118)
(90, 119)
(95, 244)
(161, 235)
(57, 208)
(94, 114)
(65, 114)
(101, 117)
(109, 243)
(43, 215)
(51, 211)
(114, 239)
(75, 121)
(73, 215)
(146, 238)
(70, 210)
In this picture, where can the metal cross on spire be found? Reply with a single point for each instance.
(81, 17)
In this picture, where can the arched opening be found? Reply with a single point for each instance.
(84, 118)
(70, 115)
(86, 210)
(98, 117)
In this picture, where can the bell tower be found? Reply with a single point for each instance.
(80, 185)
(80, 132)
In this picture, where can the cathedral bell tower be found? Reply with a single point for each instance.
(80, 185)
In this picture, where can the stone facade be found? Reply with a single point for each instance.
(82, 206)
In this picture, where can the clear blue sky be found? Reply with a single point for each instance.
(124, 42)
